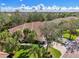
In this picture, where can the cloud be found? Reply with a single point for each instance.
(23, 5)
(3, 4)
(40, 6)
(20, 0)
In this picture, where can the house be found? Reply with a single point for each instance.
(36, 26)
(3, 55)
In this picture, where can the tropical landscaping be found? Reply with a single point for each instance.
(32, 35)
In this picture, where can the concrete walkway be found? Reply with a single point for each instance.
(75, 54)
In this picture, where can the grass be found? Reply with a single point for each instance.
(73, 37)
(77, 30)
(24, 53)
(67, 35)
(55, 52)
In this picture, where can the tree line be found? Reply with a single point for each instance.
(9, 20)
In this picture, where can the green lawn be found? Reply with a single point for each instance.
(55, 52)
(67, 35)
(36, 52)
(73, 37)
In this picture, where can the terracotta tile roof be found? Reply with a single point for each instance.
(3, 55)
(34, 26)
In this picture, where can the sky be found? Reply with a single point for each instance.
(16, 3)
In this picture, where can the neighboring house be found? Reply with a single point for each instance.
(3, 55)
(36, 26)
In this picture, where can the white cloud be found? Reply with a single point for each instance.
(20, 0)
(23, 5)
(3, 4)
(40, 6)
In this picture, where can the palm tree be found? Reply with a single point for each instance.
(50, 32)
(29, 35)
(18, 35)
(35, 51)
(10, 43)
